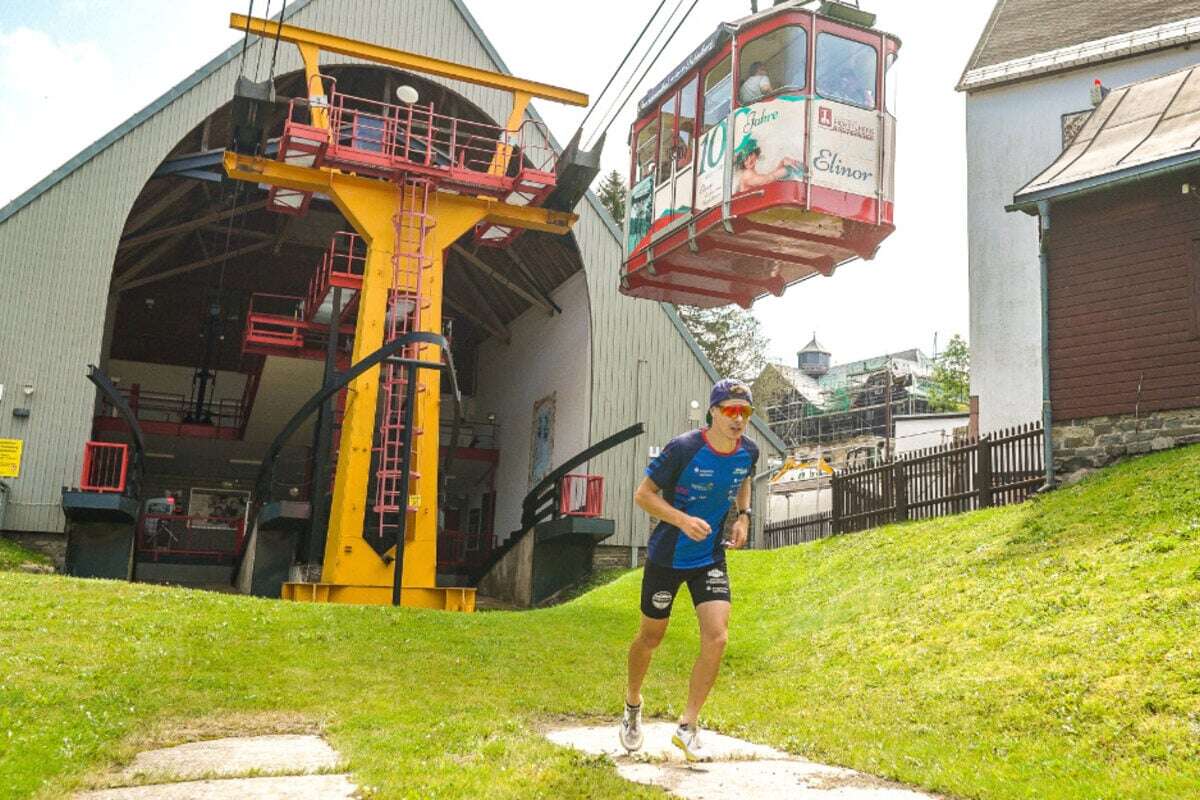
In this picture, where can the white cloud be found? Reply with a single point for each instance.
(63, 90)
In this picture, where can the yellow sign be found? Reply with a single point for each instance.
(414, 501)
(10, 458)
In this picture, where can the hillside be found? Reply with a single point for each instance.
(1046, 650)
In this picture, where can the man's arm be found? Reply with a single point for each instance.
(649, 498)
(741, 525)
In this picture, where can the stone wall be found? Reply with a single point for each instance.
(53, 545)
(608, 556)
(1086, 444)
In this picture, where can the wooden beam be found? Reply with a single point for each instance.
(147, 259)
(195, 265)
(496, 326)
(191, 224)
(156, 207)
(479, 264)
(500, 333)
(527, 273)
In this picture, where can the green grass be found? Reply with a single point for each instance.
(13, 556)
(1041, 651)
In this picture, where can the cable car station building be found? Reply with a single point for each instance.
(217, 307)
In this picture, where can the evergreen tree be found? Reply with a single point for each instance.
(950, 386)
(731, 337)
(612, 195)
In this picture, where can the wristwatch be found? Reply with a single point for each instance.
(749, 514)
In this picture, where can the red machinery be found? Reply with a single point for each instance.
(764, 159)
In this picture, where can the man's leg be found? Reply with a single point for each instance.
(714, 632)
(649, 635)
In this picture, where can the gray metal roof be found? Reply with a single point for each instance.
(814, 346)
(1144, 128)
(1019, 29)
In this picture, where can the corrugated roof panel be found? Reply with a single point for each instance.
(1142, 125)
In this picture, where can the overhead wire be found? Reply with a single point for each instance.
(259, 49)
(278, 31)
(246, 39)
(632, 88)
(634, 77)
(624, 60)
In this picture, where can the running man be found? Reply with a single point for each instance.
(690, 487)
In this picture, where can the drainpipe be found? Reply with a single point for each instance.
(1044, 265)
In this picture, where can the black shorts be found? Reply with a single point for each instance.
(659, 585)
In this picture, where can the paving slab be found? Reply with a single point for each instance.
(737, 769)
(288, 754)
(602, 740)
(298, 787)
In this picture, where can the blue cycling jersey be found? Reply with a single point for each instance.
(701, 482)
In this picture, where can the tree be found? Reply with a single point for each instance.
(612, 195)
(950, 385)
(731, 337)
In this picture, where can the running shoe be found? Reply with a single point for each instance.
(687, 739)
(631, 728)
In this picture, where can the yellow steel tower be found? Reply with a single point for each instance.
(391, 184)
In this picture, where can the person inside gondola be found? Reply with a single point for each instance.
(746, 157)
(757, 86)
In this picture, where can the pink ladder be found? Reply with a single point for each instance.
(407, 303)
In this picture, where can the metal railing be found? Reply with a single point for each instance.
(105, 467)
(179, 409)
(387, 136)
(176, 535)
(343, 264)
(581, 496)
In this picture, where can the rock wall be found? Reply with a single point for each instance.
(1087, 444)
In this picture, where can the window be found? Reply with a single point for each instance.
(666, 142)
(687, 123)
(890, 83)
(846, 70)
(647, 147)
(773, 63)
(717, 94)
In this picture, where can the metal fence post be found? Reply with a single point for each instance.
(835, 514)
(901, 491)
(983, 471)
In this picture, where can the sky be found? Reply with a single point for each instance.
(97, 62)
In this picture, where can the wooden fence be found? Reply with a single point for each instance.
(995, 470)
(797, 530)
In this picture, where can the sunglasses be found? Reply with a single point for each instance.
(733, 412)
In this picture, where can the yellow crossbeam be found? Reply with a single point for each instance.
(324, 181)
(404, 60)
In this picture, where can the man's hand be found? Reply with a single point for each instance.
(695, 529)
(741, 531)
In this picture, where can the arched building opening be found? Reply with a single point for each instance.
(198, 251)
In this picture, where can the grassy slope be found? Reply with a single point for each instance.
(13, 556)
(1047, 651)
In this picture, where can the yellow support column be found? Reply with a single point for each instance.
(352, 571)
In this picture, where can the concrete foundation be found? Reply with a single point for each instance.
(552, 557)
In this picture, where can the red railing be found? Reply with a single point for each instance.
(105, 467)
(274, 319)
(198, 537)
(383, 136)
(343, 265)
(581, 496)
(178, 409)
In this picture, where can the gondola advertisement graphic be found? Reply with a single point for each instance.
(765, 142)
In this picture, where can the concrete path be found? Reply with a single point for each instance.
(225, 765)
(737, 770)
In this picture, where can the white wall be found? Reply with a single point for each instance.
(1013, 133)
(548, 355)
(812, 500)
(920, 432)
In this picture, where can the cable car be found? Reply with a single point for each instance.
(763, 159)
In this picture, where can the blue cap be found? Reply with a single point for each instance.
(728, 389)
